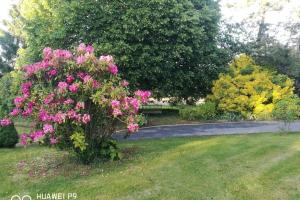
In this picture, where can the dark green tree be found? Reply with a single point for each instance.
(167, 46)
(9, 46)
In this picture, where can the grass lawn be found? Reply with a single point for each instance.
(259, 166)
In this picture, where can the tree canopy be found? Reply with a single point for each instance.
(9, 46)
(166, 46)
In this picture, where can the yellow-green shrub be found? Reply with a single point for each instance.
(249, 89)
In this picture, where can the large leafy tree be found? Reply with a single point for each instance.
(167, 46)
(8, 51)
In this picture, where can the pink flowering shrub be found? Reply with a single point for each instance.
(76, 100)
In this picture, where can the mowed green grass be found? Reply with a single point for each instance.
(259, 166)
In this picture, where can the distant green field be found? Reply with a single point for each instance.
(239, 167)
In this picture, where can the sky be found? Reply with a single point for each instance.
(5, 5)
(290, 12)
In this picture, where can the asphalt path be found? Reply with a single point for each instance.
(214, 129)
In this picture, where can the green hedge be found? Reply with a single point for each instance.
(8, 136)
(287, 109)
(206, 111)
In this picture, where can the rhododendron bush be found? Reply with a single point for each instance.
(76, 100)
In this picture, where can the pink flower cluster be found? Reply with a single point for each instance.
(5, 122)
(34, 68)
(113, 69)
(48, 53)
(62, 54)
(82, 48)
(132, 127)
(143, 95)
(108, 59)
(62, 87)
(25, 88)
(68, 91)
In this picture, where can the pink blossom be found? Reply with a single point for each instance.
(81, 48)
(59, 117)
(18, 101)
(132, 127)
(52, 72)
(89, 49)
(71, 114)
(78, 118)
(64, 54)
(115, 104)
(87, 78)
(49, 98)
(86, 118)
(48, 128)
(144, 95)
(47, 53)
(15, 112)
(44, 116)
(35, 136)
(130, 119)
(53, 140)
(25, 88)
(67, 54)
(79, 105)
(112, 68)
(125, 102)
(81, 75)
(124, 83)
(96, 84)
(80, 60)
(108, 59)
(30, 104)
(70, 79)
(68, 101)
(135, 104)
(74, 88)
(44, 64)
(30, 69)
(34, 68)
(88, 56)
(5, 122)
(27, 112)
(24, 139)
(62, 86)
(117, 112)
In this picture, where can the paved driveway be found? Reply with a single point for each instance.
(212, 129)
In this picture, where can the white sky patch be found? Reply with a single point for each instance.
(290, 13)
(5, 6)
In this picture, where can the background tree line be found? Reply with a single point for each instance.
(174, 48)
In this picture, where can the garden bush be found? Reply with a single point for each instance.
(76, 100)
(8, 136)
(250, 90)
(287, 109)
(206, 111)
(230, 116)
